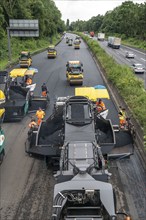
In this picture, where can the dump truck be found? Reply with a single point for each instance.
(74, 72)
(25, 59)
(77, 144)
(101, 36)
(2, 136)
(114, 42)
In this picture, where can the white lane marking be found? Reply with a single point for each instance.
(134, 50)
(128, 60)
(142, 59)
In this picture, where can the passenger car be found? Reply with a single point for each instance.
(138, 68)
(129, 54)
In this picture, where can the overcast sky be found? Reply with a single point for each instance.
(85, 9)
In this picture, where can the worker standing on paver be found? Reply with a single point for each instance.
(44, 90)
(28, 81)
(40, 114)
(100, 106)
(122, 120)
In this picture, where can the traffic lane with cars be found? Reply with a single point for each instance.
(120, 56)
(140, 57)
(33, 193)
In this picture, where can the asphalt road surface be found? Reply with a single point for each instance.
(119, 56)
(26, 186)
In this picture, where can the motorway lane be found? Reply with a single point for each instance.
(26, 185)
(119, 56)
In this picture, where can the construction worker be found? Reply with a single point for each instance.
(122, 110)
(100, 106)
(28, 81)
(2, 97)
(40, 114)
(122, 120)
(33, 124)
(44, 89)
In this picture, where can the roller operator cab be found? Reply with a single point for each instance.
(78, 38)
(70, 42)
(77, 44)
(74, 72)
(25, 59)
(52, 53)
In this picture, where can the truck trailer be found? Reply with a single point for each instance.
(101, 36)
(114, 42)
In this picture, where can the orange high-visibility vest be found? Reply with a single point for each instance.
(122, 120)
(40, 114)
(101, 104)
(44, 93)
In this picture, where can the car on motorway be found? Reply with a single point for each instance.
(138, 68)
(129, 54)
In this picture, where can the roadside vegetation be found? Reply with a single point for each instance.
(133, 42)
(127, 21)
(50, 26)
(129, 87)
(23, 44)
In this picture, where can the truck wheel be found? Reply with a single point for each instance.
(2, 156)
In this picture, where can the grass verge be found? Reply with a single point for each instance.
(17, 45)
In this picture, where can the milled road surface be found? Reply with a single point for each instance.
(26, 186)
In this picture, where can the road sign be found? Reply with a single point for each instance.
(23, 28)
